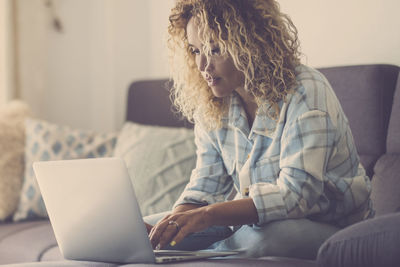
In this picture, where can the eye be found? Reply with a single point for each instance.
(194, 51)
(215, 51)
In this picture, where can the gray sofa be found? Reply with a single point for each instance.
(370, 96)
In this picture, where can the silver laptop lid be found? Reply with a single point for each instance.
(84, 197)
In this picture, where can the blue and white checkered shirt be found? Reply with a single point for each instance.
(305, 164)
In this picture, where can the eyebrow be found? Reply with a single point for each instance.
(192, 45)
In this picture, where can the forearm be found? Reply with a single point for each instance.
(235, 212)
(191, 218)
(186, 207)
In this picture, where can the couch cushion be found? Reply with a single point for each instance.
(393, 139)
(24, 242)
(365, 93)
(374, 242)
(29, 242)
(66, 263)
(386, 184)
(52, 254)
(262, 262)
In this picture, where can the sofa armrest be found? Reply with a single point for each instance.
(374, 242)
(386, 184)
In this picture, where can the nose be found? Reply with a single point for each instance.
(203, 63)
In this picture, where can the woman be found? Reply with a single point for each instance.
(265, 126)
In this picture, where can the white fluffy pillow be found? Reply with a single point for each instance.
(12, 141)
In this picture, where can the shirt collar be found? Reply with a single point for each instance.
(237, 115)
(262, 125)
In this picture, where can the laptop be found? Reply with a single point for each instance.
(95, 215)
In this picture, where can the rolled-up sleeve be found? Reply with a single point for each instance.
(209, 182)
(306, 145)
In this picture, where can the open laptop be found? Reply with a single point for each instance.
(95, 215)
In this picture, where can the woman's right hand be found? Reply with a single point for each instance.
(160, 236)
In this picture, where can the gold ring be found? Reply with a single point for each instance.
(174, 223)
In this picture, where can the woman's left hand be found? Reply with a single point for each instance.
(173, 228)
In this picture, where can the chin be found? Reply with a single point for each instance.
(220, 93)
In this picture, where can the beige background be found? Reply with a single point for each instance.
(79, 77)
(7, 79)
(345, 32)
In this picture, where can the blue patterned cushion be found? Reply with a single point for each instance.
(159, 160)
(47, 141)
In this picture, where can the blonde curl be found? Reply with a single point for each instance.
(261, 41)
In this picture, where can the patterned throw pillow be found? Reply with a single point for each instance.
(47, 141)
(160, 161)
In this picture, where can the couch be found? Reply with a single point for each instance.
(370, 96)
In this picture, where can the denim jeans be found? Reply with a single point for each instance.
(299, 238)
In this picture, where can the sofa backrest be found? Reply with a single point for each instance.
(149, 103)
(366, 95)
(393, 138)
(365, 92)
(386, 180)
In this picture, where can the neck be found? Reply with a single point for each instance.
(249, 104)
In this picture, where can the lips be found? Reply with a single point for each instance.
(212, 80)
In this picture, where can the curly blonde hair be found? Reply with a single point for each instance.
(261, 41)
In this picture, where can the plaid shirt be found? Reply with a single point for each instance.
(305, 164)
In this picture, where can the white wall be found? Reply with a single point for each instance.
(7, 71)
(80, 77)
(346, 32)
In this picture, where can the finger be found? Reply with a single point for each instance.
(168, 235)
(165, 219)
(148, 227)
(179, 236)
(157, 226)
(156, 232)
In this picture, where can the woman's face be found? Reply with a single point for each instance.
(219, 71)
